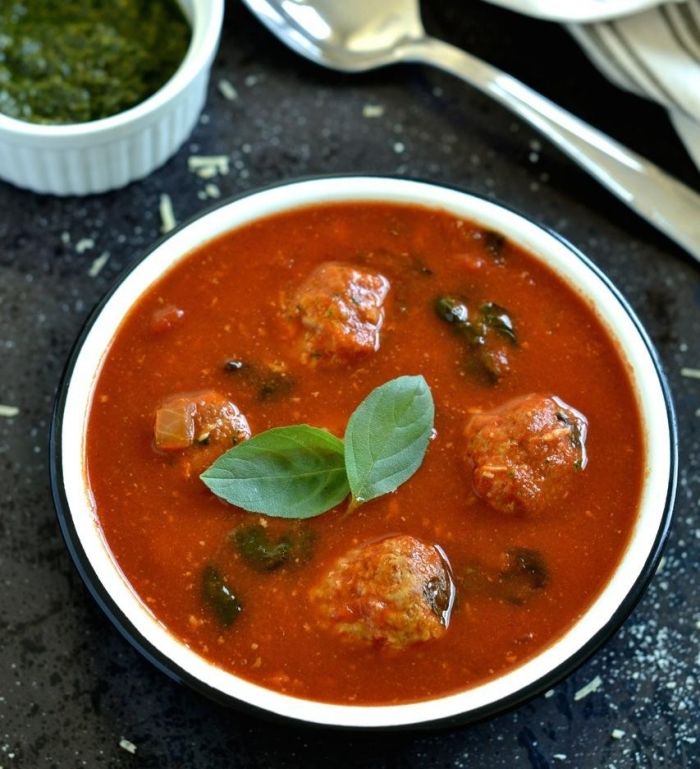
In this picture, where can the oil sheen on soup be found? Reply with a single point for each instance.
(507, 532)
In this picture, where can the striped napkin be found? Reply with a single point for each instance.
(653, 52)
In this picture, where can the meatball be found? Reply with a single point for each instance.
(525, 454)
(203, 417)
(341, 312)
(391, 593)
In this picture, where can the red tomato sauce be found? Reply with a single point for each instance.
(227, 301)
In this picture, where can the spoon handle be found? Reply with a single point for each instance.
(665, 202)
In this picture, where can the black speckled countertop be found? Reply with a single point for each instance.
(71, 689)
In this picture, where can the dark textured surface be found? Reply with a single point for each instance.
(70, 686)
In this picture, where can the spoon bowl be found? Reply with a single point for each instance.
(349, 37)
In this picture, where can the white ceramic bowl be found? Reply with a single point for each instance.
(101, 155)
(108, 585)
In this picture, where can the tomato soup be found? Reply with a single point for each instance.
(520, 511)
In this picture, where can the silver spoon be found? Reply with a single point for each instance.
(359, 35)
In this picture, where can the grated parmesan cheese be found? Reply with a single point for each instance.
(8, 411)
(98, 264)
(227, 90)
(167, 216)
(207, 172)
(84, 244)
(617, 734)
(589, 688)
(208, 166)
(127, 745)
(372, 110)
(691, 373)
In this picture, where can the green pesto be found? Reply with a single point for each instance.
(71, 61)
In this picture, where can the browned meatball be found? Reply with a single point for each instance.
(341, 311)
(393, 593)
(203, 417)
(525, 454)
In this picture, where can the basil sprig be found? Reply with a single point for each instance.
(302, 471)
(387, 437)
(287, 472)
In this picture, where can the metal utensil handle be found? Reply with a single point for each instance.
(663, 201)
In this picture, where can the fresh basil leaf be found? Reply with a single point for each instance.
(496, 317)
(219, 596)
(286, 472)
(387, 437)
(453, 309)
(264, 554)
(494, 244)
(258, 550)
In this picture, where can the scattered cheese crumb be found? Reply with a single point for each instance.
(549, 693)
(197, 161)
(84, 244)
(227, 90)
(127, 745)
(167, 216)
(617, 734)
(208, 166)
(691, 373)
(589, 688)
(372, 110)
(8, 411)
(399, 147)
(559, 756)
(212, 190)
(65, 238)
(98, 264)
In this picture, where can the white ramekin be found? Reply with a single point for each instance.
(101, 155)
(132, 617)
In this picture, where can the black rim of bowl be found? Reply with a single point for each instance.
(167, 666)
